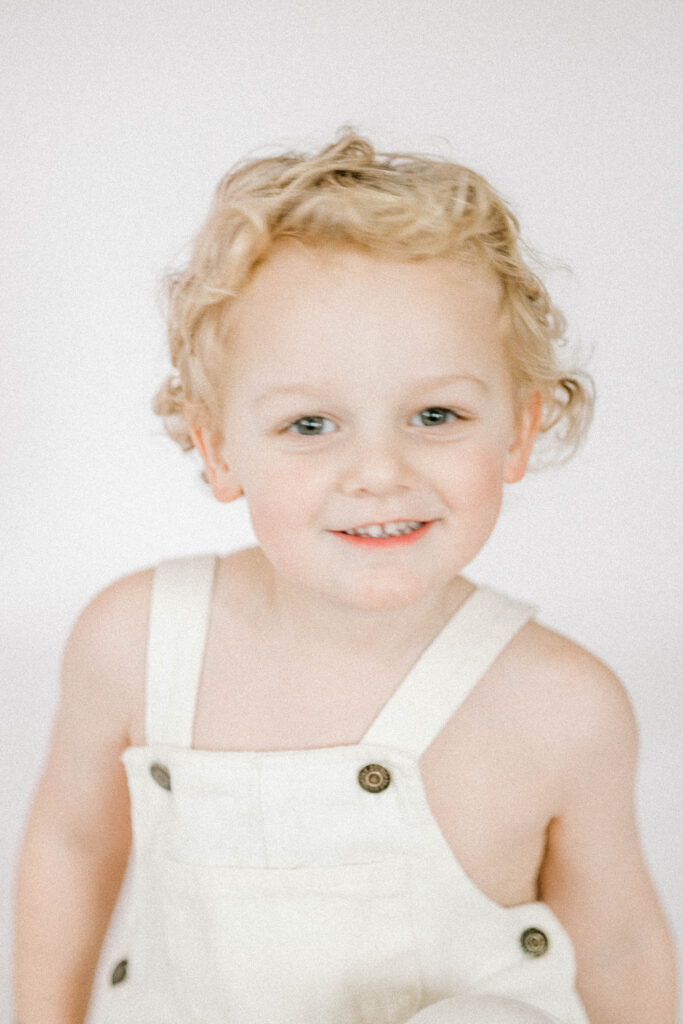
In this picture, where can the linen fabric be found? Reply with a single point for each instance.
(273, 888)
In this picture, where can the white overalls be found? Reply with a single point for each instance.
(313, 886)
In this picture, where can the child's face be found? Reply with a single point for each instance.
(365, 391)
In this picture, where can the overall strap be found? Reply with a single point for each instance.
(447, 671)
(179, 616)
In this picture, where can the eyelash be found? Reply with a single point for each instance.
(321, 419)
(440, 409)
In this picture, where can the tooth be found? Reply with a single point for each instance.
(377, 530)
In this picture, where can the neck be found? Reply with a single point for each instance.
(307, 619)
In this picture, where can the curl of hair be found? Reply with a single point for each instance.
(405, 206)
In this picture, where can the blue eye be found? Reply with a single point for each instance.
(436, 416)
(311, 426)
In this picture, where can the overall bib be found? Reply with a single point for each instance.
(313, 886)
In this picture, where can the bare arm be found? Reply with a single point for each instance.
(594, 876)
(77, 838)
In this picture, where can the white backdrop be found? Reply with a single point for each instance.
(119, 119)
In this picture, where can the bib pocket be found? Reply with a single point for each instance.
(312, 944)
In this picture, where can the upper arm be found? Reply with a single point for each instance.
(82, 795)
(593, 875)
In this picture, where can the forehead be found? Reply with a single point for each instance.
(306, 303)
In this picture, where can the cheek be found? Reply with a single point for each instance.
(281, 499)
(475, 470)
(283, 504)
(486, 480)
(475, 487)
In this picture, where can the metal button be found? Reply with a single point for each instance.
(374, 778)
(534, 941)
(119, 972)
(161, 775)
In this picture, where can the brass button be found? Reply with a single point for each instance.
(119, 972)
(161, 775)
(374, 778)
(534, 941)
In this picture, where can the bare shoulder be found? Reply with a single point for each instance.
(104, 656)
(111, 631)
(578, 702)
(82, 792)
(116, 615)
(593, 857)
(106, 652)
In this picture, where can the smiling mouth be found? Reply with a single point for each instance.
(396, 529)
(375, 535)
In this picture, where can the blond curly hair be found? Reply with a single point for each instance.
(405, 206)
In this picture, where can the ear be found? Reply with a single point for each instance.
(528, 424)
(209, 444)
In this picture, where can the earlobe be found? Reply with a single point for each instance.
(520, 450)
(209, 444)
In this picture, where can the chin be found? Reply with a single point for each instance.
(390, 594)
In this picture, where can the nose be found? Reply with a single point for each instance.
(378, 465)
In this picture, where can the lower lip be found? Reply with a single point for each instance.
(384, 542)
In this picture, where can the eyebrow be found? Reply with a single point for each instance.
(294, 389)
(306, 390)
(450, 378)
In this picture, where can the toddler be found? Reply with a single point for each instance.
(358, 788)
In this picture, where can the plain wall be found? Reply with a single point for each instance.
(120, 118)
